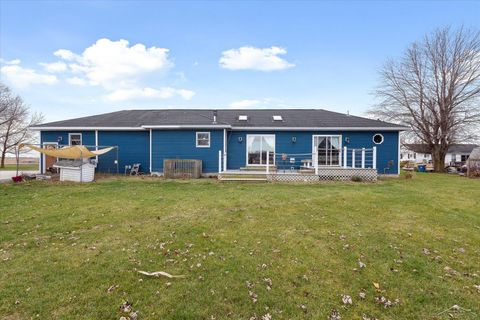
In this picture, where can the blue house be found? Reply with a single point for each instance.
(232, 140)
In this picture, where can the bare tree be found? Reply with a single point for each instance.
(15, 120)
(435, 89)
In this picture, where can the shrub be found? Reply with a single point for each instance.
(357, 179)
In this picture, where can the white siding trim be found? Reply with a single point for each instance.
(96, 144)
(225, 149)
(150, 151)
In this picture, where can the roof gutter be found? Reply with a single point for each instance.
(172, 127)
(205, 126)
(87, 128)
(321, 128)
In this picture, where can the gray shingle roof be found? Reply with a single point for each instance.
(261, 118)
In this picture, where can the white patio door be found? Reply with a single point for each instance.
(329, 149)
(257, 147)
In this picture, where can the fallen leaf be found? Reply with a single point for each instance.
(346, 299)
(159, 273)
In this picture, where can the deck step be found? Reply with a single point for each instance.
(242, 179)
(257, 168)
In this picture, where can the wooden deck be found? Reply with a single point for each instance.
(302, 176)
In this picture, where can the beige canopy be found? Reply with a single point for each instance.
(70, 152)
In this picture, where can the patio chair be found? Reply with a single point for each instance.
(134, 171)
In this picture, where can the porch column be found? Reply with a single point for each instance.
(219, 161)
(315, 156)
(374, 158)
(345, 156)
(363, 158)
(268, 162)
(353, 158)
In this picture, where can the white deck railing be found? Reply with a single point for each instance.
(359, 158)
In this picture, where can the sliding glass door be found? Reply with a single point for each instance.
(257, 147)
(328, 148)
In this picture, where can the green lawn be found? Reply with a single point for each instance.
(294, 248)
(21, 167)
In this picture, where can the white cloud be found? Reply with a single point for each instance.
(55, 67)
(10, 62)
(243, 104)
(23, 77)
(162, 93)
(65, 54)
(111, 63)
(251, 58)
(76, 81)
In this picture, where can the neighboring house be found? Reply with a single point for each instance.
(231, 139)
(419, 153)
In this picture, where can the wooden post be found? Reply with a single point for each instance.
(345, 156)
(374, 157)
(315, 156)
(353, 158)
(268, 162)
(363, 158)
(219, 161)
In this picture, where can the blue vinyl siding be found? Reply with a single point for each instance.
(181, 144)
(133, 147)
(386, 151)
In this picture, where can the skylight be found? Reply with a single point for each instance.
(277, 118)
(242, 118)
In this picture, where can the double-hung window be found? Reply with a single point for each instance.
(203, 140)
(75, 139)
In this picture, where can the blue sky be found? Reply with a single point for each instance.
(66, 58)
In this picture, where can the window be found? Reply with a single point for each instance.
(464, 157)
(242, 118)
(277, 118)
(328, 149)
(378, 138)
(257, 147)
(203, 139)
(75, 139)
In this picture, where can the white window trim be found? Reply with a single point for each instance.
(73, 133)
(378, 134)
(196, 139)
(246, 149)
(340, 156)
